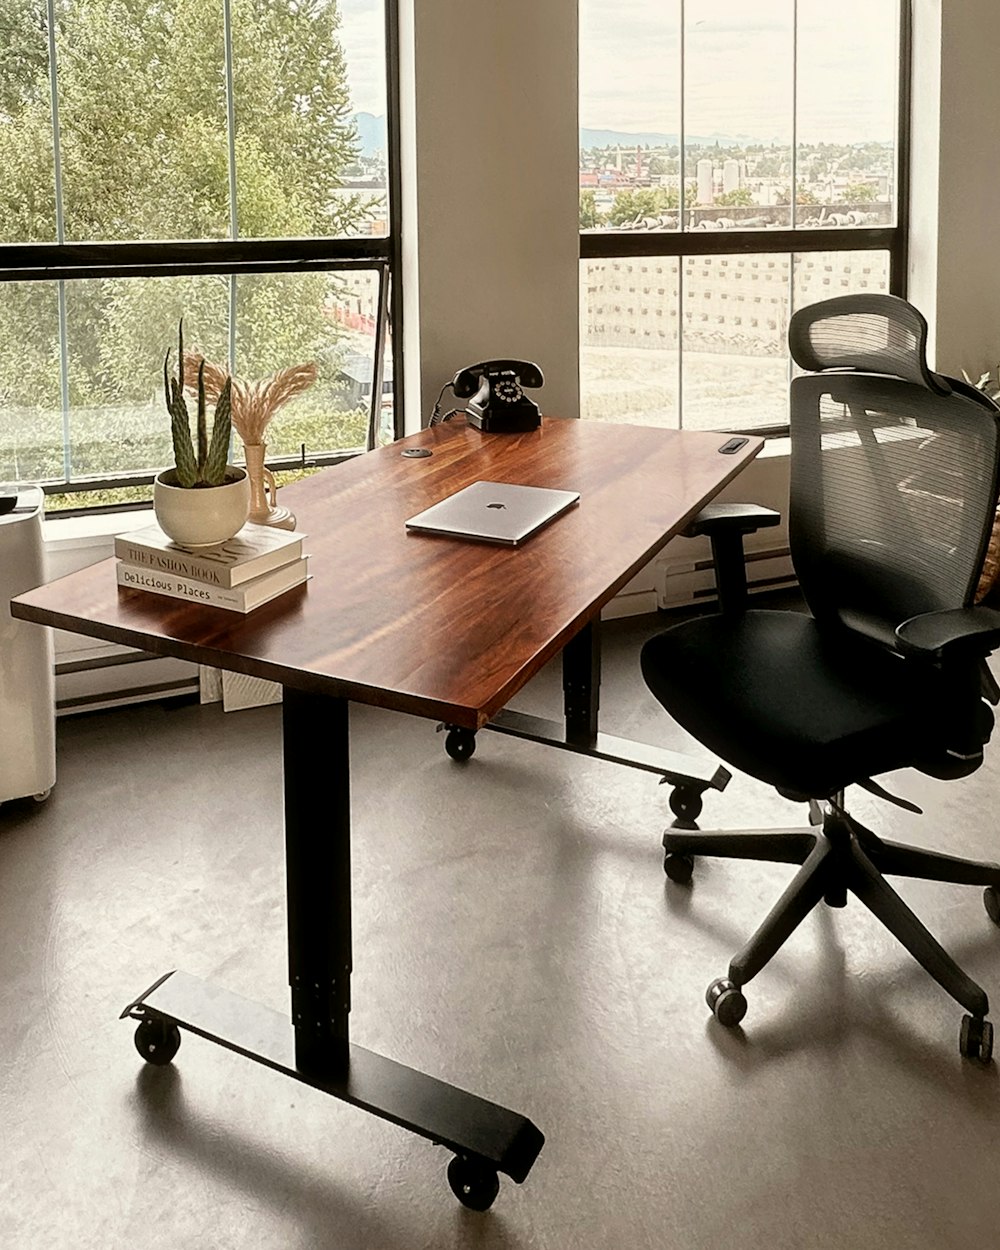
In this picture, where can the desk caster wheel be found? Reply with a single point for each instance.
(42, 795)
(157, 1040)
(473, 1182)
(460, 744)
(727, 1003)
(976, 1039)
(678, 866)
(991, 898)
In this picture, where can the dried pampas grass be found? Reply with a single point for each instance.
(253, 403)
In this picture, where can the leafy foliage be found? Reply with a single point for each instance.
(740, 197)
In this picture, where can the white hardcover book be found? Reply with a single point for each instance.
(242, 598)
(253, 551)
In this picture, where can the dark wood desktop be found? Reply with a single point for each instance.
(438, 627)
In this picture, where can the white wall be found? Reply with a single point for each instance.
(954, 274)
(490, 225)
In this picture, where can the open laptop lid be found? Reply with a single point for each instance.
(494, 512)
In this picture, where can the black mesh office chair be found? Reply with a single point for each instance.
(894, 479)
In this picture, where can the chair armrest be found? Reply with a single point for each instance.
(956, 633)
(728, 518)
(725, 524)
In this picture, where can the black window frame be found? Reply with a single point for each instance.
(69, 262)
(611, 244)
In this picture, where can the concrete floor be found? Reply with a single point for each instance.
(514, 934)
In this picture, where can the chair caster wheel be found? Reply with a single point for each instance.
(976, 1039)
(685, 803)
(726, 1002)
(991, 899)
(157, 1040)
(678, 866)
(473, 1182)
(460, 744)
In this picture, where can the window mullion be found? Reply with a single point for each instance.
(60, 235)
(794, 195)
(227, 25)
(682, 218)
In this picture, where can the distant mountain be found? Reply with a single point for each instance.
(371, 132)
(629, 139)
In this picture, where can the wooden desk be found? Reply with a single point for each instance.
(437, 627)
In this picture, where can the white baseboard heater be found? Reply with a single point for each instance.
(104, 675)
(681, 583)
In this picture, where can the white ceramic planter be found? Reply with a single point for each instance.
(201, 516)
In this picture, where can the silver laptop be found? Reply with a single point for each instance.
(494, 512)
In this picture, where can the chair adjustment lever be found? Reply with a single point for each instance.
(881, 792)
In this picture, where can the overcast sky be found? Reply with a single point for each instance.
(738, 66)
(362, 32)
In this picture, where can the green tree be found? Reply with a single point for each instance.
(144, 155)
(803, 196)
(738, 198)
(645, 202)
(589, 215)
(859, 193)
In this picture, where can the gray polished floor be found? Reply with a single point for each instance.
(514, 934)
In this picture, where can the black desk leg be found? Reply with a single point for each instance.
(485, 1137)
(318, 868)
(581, 665)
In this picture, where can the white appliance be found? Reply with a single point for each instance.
(27, 677)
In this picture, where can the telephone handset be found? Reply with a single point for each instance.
(497, 403)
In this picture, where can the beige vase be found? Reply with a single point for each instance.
(263, 491)
(201, 516)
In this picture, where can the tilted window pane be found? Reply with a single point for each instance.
(327, 318)
(628, 340)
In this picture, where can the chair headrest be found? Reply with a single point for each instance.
(870, 333)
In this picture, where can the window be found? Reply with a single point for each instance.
(746, 153)
(231, 162)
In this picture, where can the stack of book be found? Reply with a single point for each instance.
(253, 568)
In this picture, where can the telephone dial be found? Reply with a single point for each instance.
(494, 390)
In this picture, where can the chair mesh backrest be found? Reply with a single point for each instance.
(893, 483)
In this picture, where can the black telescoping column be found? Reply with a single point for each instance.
(318, 867)
(581, 664)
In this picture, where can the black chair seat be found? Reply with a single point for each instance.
(777, 697)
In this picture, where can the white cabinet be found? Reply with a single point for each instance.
(27, 683)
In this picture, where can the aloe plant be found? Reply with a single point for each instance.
(206, 464)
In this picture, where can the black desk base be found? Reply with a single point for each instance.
(485, 1137)
(468, 1125)
(579, 732)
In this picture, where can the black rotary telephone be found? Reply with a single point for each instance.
(497, 403)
